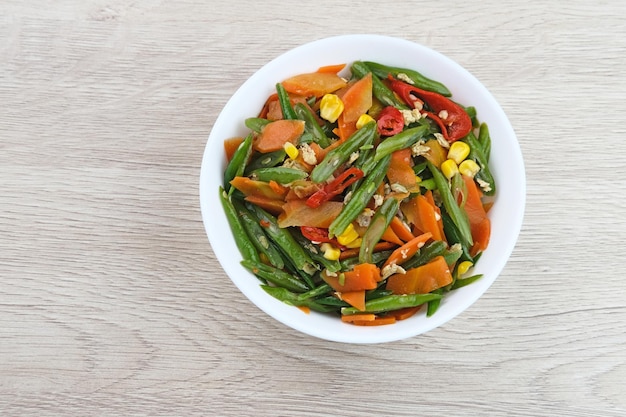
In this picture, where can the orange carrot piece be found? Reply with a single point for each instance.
(258, 188)
(405, 313)
(437, 154)
(357, 99)
(400, 170)
(400, 229)
(361, 277)
(230, 147)
(297, 213)
(270, 205)
(275, 134)
(378, 321)
(305, 309)
(355, 298)
(480, 225)
(314, 84)
(407, 250)
(390, 235)
(351, 253)
(358, 317)
(423, 279)
(332, 69)
(427, 217)
(345, 128)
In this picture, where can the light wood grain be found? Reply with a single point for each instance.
(112, 302)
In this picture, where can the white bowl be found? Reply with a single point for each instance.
(506, 164)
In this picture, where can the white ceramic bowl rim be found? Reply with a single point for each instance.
(506, 164)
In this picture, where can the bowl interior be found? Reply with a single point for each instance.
(506, 163)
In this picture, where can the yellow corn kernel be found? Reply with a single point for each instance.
(458, 151)
(363, 120)
(348, 236)
(291, 150)
(418, 179)
(331, 107)
(464, 267)
(356, 243)
(330, 252)
(449, 168)
(469, 168)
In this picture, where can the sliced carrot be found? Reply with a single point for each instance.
(400, 229)
(378, 321)
(357, 99)
(355, 298)
(297, 213)
(305, 309)
(361, 277)
(332, 69)
(409, 209)
(230, 146)
(314, 84)
(406, 251)
(437, 154)
(274, 110)
(345, 128)
(266, 107)
(259, 188)
(275, 134)
(428, 218)
(400, 170)
(358, 317)
(423, 279)
(480, 225)
(389, 235)
(351, 253)
(405, 313)
(270, 205)
(429, 196)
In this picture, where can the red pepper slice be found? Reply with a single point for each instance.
(390, 121)
(454, 126)
(335, 187)
(316, 234)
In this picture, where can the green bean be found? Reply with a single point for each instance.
(418, 80)
(257, 235)
(332, 266)
(237, 164)
(428, 184)
(377, 258)
(462, 282)
(281, 175)
(433, 305)
(311, 126)
(332, 301)
(256, 123)
(285, 103)
(458, 215)
(379, 223)
(342, 153)
(288, 297)
(392, 302)
(266, 160)
(360, 197)
(380, 90)
(426, 254)
(275, 276)
(315, 292)
(402, 140)
(471, 112)
(477, 154)
(453, 253)
(453, 236)
(285, 241)
(381, 291)
(484, 138)
(242, 240)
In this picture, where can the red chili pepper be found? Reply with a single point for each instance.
(390, 121)
(335, 187)
(316, 234)
(454, 126)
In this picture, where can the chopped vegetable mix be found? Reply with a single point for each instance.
(363, 196)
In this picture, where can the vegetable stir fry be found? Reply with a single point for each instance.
(364, 196)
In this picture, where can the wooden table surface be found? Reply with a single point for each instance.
(113, 304)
